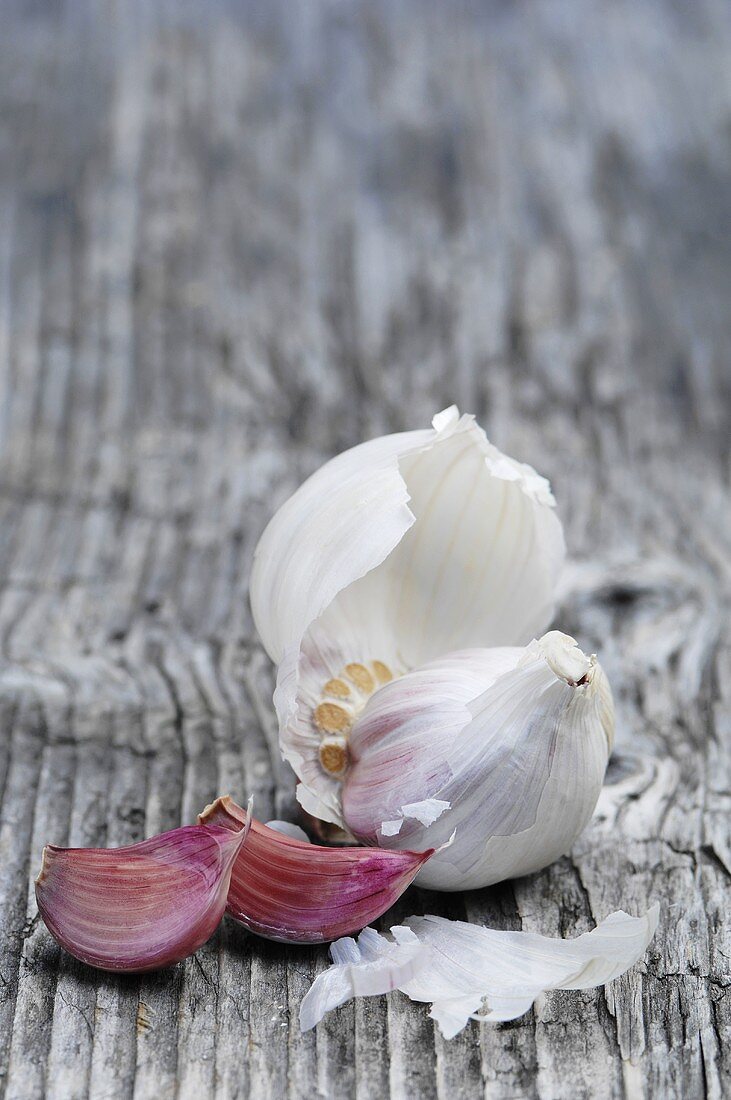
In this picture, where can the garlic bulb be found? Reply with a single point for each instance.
(394, 553)
(507, 747)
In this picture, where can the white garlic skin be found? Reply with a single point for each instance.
(521, 764)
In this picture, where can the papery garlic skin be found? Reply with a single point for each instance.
(469, 972)
(374, 965)
(397, 551)
(515, 740)
(487, 974)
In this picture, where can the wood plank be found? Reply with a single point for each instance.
(235, 239)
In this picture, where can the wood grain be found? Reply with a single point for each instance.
(236, 238)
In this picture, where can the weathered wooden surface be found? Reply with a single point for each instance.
(236, 238)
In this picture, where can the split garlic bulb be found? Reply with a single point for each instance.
(372, 588)
(392, 554)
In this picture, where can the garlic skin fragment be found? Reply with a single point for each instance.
(399, 550)
(296, 892)
(472, 969)
(516, 740)
(373, 965)
(143, 906)
(470, 972)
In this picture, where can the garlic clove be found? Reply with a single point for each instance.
(469, 972)
(296, 892)
(143, 906)
(521, 762)
(341, 523)
(397, 551)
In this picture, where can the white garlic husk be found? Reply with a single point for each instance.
(469, 972)
(400, 550)
(508, 747)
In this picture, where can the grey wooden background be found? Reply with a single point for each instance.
(236, 238)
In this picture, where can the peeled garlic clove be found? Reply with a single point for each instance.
(143, 906)
(520, 760)
(288, 890)
(393, 553)
(469, 972)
